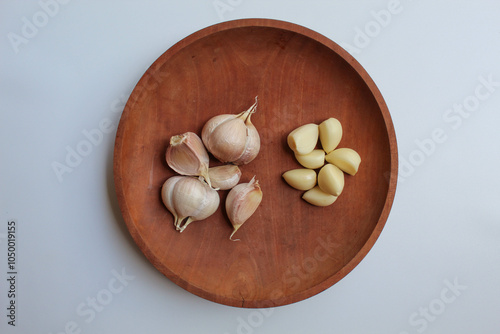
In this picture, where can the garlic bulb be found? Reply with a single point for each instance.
(189, 199)
(187, 156)
(232, 138)
(241, 203)
(224, 177)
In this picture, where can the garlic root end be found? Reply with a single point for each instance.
(231, 236)
(188, 221)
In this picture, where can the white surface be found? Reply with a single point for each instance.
(80, 66)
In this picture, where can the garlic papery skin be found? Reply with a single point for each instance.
(346, 159)
(167, 195)
(241, 203)
(187, 156)
(224, 177)
(189, 199)
(313, 160)
(301, 178)
(252, 146)
(331, 180)
(232, 138)
(318, 197)
(303, 139)
(330, 134)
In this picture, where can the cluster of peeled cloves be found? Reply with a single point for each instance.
(193, 195)
(322, 188)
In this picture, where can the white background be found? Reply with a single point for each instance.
(80, 65)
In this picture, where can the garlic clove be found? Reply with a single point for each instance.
(317, 197)
(232, 138)
(313, 160)
(187, 156)
(252, 146)
(167, 195)
(194, 199)
(331, 180)
(346, 159)
(227, 141)
(212, 124)
(330, 134)
(300, 179)
(241, 203)
(303, 139)
(189, 199)
(224, 177)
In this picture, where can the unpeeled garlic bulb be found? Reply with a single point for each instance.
(189, 199)
(232, 138)
(187, 156)
(224, 177)
(241, 203)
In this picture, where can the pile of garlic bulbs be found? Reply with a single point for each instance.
(193, 195)
(323, 188)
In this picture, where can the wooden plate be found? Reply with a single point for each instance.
(289, 250)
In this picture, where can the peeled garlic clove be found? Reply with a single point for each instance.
(331, 180)
(189, 199)
(346, 159)
(241, 203)
(301, 179)
(330, 134)
(224, 177)
(187, 156)
(232, 138)
(313, 160)
(303, 139)
(317, 197)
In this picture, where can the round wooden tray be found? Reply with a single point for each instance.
(289, 250)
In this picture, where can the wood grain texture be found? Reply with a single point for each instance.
(289, 250)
